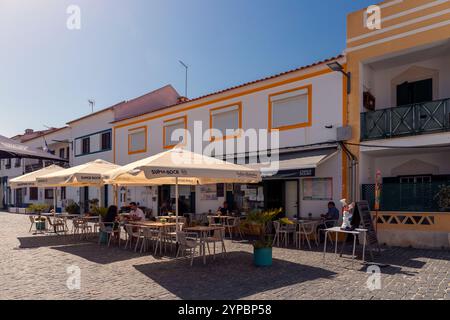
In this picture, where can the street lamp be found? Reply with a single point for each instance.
(337, 67)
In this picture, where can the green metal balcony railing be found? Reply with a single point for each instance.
(421, 118)
(407, 197)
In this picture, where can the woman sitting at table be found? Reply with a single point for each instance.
(111, 218)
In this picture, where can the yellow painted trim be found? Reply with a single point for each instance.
(129, 140)
(239, 130)
(231, 96)
(298, 125)
(114, 144)
(164, 132)
(344, 123)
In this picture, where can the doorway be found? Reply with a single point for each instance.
(84, 199)
(292, 198)
(19, 197)
(415, 92)
(274, 194)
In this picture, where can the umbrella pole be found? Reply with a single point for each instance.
(100, 196)
(176, 205)
(55, 200)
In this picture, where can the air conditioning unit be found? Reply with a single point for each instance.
(344, 133)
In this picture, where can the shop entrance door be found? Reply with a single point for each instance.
(292, 199)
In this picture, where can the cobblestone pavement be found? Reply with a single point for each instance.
(35, 267)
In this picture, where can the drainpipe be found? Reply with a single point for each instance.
(353, 160)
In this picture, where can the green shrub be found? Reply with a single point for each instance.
(73, 208)
(262, 219)
(38, 207)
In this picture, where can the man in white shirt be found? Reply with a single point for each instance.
(136, 213)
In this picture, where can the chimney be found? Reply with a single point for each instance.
(182, 99)
(29, 131)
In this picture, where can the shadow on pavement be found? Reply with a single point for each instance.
(230, 277)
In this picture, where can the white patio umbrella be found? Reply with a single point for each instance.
(85, 175)
(179, 166)
(30, 180)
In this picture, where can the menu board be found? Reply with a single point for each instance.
(363, 218)
(208, 192)
(318, 189)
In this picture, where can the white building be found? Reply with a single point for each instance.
(306, 105)
(82, 140)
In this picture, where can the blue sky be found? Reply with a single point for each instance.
(126, 48)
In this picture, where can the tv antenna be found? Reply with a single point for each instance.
(186, 79)
(92, 104)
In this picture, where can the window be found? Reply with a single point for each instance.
(227, 120)
(17, 162)
(34, 194)
(318, 189)
(62, 153)
(63, 193)
(106, 141)
(86, 145)
(48, 194)
(290, 109)
(415, 92)
(8, 164)
(137, 140)
(174, 132)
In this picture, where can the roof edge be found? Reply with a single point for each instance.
(312, 65)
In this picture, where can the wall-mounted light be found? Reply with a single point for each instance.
(337, 67)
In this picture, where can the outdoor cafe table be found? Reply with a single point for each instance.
(168, 218)
(355, 233)
(203, 231)
(223, 219)
(161, 226)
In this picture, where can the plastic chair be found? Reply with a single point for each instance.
(131, 234)
(218, 236)
(305, 230)
(108, 228)
(32, 221)
(234, 224)
(187, 242)
(282, 233)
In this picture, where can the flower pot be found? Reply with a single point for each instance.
(262, 257)
(40, 225)
(103, 237)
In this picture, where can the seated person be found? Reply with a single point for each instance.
(224, 210)
(136, 213)
(332, 216)
(111, 218)
(329, 219)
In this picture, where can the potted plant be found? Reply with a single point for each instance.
(443, 198)
(38, 208)
(73, 208)
(262, 248)
(100, 212)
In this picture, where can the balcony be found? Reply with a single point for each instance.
(409, 120)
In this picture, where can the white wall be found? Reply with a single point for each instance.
(379, 81)
(386, 163)
(326, 111)
(329, 169)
